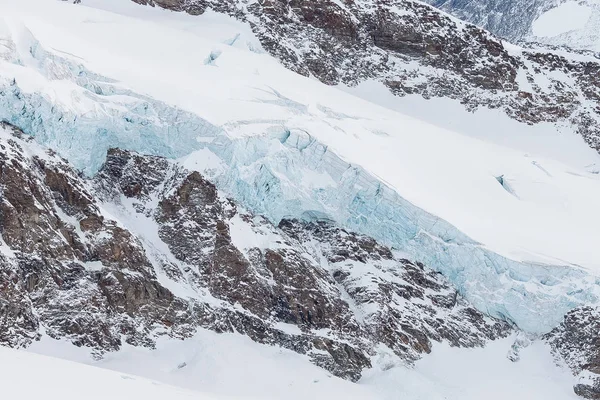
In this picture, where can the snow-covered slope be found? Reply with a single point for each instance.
(515, 231)
(292, 214)
(510, 19)
(229, 366)
(566, 17)
(569, 23)
(148, 249)
(143, 286)
(31, 376)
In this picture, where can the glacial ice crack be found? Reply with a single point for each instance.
(284, 172)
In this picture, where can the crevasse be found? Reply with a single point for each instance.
(287, 173)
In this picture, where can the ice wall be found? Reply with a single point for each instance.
(280, 172)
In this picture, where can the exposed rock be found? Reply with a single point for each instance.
(414, 48)
(146, 248)
(576, 342)
(81, 275)
(403, 305)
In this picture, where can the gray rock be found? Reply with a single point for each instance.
(68, 266)
(576, 342)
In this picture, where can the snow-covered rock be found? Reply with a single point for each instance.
(575, 342)
(147, 248)
(288, 147)
(279, 208)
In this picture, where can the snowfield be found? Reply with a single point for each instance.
(506, 211)
(229, 366)
(569, 16)
(29, 376)
(569, 23)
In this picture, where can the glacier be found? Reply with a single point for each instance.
(268, 173)
(274, 159)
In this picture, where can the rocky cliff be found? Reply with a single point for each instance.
(146, 248)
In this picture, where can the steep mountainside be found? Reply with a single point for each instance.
(413, 48)
(147, 248)
(287, 147)
(509, 19)
(196, 186)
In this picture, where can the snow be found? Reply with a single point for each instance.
(146, 229)
(93, 265)
(574, 24)
(230, 366)
(418, 175)
(543, 139)
(566, 17)
(253, 234)
(450, 373)
(288, 328)
(31, 376)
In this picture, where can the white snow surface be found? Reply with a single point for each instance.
(83, 78)
(566, 17)
(575, 24)
(231, 366)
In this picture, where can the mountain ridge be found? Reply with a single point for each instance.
(257, 212)
(87, 278)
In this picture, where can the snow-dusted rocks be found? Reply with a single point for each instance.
(576, 341)
(287, 147)
(403, 304)
(414, 49)
(68, 268)
(147, 249)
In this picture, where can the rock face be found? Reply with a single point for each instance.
(146, 248)
(576, 342)
(414, 48)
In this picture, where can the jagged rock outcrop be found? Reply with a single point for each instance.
(412, 47)
(146, 248)
(70, 268)
(402, 304)
(576, 343)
